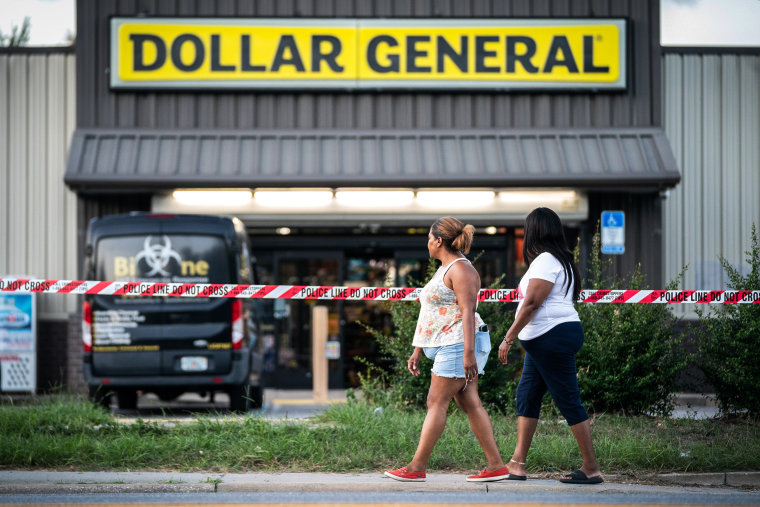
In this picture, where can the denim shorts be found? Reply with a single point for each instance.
(447, 360)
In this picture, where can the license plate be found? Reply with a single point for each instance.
(194, 363)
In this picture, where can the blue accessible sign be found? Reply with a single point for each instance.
(613, 232)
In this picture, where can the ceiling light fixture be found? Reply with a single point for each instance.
(455, 198)
(376, 198)
(293, 198)
(231, 197)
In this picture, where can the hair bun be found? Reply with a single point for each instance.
(463, 241)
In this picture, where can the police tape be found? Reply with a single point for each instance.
(321, 292)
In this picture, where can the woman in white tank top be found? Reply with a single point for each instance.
(450, 331)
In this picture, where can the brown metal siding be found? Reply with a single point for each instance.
(99, 107)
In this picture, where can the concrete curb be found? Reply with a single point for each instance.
(740, 479)
(40, 482)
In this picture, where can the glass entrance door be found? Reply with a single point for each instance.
(292, 354)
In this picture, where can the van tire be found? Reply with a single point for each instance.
(240, 398)
(127, 399)
(100, 396)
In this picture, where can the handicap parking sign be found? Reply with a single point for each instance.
(613, 232)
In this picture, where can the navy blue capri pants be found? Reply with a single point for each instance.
(550, 364)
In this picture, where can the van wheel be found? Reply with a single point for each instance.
(100, 396)
(127, 399)
(240, 398)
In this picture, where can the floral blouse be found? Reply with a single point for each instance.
(440, 320)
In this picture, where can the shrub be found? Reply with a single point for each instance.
(394, 385)
(728, 351)
(631, 357)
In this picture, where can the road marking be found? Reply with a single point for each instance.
(372, 504)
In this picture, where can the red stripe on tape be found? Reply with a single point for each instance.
(97, 288)
(291, 292)
(654, 296)
(264, 291)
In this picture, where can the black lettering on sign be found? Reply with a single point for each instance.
(393, 66)
(200, 52)
(330, 57)
(588, 57)
(216, 63)
(287, 43)
(560, 44)
(245, 56)
(481, 53)
(138, 53)
(524, 57)
(412, 53)
(445, 50)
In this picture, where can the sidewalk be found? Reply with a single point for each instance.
(296, 404)
(23, 482)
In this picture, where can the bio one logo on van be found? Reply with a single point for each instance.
(158, 257)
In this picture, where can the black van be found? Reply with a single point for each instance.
(170, 345)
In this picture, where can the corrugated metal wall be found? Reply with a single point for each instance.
(712, 118)
(37, 212)
(98, 107)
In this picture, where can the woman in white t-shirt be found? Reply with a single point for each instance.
(550, 331)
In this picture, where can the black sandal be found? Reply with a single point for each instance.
(579, 477)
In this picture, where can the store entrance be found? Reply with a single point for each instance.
(288, 352)
(353, 261)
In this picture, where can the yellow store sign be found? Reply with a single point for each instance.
(237, 53)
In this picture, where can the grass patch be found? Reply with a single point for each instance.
(69, 433)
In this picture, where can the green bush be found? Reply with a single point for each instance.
(393, 384)
(728, 351)
(631, 357)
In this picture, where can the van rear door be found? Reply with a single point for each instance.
(146, 335)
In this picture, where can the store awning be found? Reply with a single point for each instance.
(141, 159)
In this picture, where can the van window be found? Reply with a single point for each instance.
(179, 258)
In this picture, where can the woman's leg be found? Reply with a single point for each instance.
(530, 394)
(442, 389)
(582, 434)
(554, 355)
(526, 428)
(469, 401)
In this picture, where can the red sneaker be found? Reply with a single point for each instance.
(483, 476)
(402, 474)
